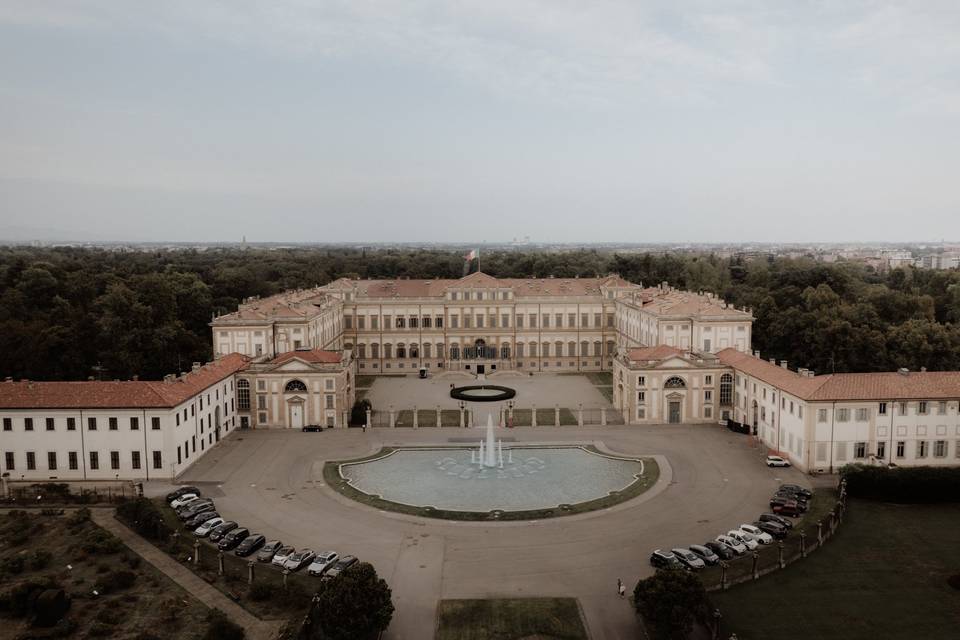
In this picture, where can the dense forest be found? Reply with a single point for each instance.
(69, 313)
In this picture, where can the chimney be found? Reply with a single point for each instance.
(135, 378)
(773, 361)
(903, 371)
(89, 378)
(8, 379)
(196, 366)
(811, 373)
(923, 369)
(783, 363)
(756, 354)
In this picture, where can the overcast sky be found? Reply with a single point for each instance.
(283, 120)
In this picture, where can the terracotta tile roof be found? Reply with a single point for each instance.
(140, 394)
(784, 379)
(522, 287)
(309, 355)
(659, 352)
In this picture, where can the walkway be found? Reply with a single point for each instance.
(256, 628)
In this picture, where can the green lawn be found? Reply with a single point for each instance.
(884, 575)
(510, 619)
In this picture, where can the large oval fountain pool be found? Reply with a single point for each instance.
(528, 479)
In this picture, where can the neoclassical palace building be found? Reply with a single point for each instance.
(291, 360)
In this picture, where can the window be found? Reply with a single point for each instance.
(922, 407)
(50, 424)
(31, 461)
(426, 322)
(843, 415)
(401, 351)
(505, 351)
(942, 408)
(881, 450)
(940, 449)
(413, 323)
(179, 456)
(401, 323)
(642, 381)
(115, 460)
(157, 460)
(863, 415)
(921, 448)
(94, 460)
(860, 450)
(7, 424)
(72, 460)
(726, 389)
(28, 424)
(882, 409)
(91, 424)
(708, 381)
(155, 423)
(641, 397)
(134, 424)
(243, 395)
(708, 395)
(295, 386)
(112, 424)
(8, 461)
(52, 460)
(903, 408)
(329, 401)
(558, 320)
(546, 321)
(135, 459)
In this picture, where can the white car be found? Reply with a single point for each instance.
(759, 534)
(299, 559)
(322, 562)
(281, 556)
(735, 545)
(204, 529)
(186, 498)
(745, 539)
(777, 461)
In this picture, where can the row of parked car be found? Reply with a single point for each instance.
(200, 516)
(748, 537)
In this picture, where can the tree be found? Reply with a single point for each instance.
(353, 606)
(671, 601)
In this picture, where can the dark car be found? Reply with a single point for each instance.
(786, 507)
(250, 544)
(709, 557)
(173, 495)
(689, 559)
(233, 538)
(775, 529)
(193, 504)
(795, 488)
(786, 493)
(312, 427)
(194, 511)
(268, 550)
(340, 566)
(222, 530)
(199, 519)
(723, 551)
(772, 517)
(664, 560)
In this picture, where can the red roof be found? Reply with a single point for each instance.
(659, 352)
(309, 355)
(133, 394)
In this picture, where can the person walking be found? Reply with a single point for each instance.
(622, 590)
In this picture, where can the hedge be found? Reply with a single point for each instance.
(904, 485)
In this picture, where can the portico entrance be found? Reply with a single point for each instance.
(675, 413)
(296, 414)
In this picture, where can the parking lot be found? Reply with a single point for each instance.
(711, 481)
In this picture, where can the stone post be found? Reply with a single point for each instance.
(345, 422)
(803, 544)
(462, 423)
(219, 563)
(580, 415)
(196, 553)
(393, 417)
(250, 565)
(533, 416)
(369, 416)
(416, 417)
(439, 422)
(286, 572)
(556, 415)
(833, 522)
(780, 554)
(819, 532)
(723, 575)
(603, 416)
(756, 563)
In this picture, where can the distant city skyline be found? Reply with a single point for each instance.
(422, 121)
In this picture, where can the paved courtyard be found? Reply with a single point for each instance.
(542, 390)
(711, 480)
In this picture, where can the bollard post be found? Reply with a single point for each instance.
(819, 532)
(580, 415)
(219, 563)
(286, 572)
(780, 554)
(439, 423)
(416, 417)
(556, 415)
(832, 522)
(369, 416)
(196, 553)
(716, 624)
(803, 544)
(462, 423)
(533, 416)
(603, 416)
(723, 575)
(250, 565)
(756, 563)
(393, 417)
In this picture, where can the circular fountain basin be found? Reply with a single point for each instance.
(483, 393)
(532, 479)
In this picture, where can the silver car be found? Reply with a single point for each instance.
(299, 559)
(322, 562)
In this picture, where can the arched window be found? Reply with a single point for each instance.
(401, 350)
(675, 382)
(375, 350)
(243, 395)
(414, 351)
(597, 349)
(505, 351)
(726, 389)
(454, 352)
(294, 386)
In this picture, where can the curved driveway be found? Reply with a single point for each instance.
(272, 482)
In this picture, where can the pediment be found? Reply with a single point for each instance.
(293, 365)
(675, 362)
(296, 399)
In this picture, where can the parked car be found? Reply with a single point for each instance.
(723, 551)
(775, 529)
(222, 529)
(173, 495)
(282, 554)
(735, 545)
(762, 536)
(250, 544)
(785, 507)
(777, 461)
(745, 539)
(707, 555)
(183, 500)
(801, 503)
(689, 559)
(193, 504)
(299, 559)
(322, 562)
(269, 550)
(312, 427)
(787, 493)
(795, 488)
(232, 538)
(199, 519)
(340, 566)
(664, 560)
(772, 517)
(195, 510)
(204, 529)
